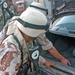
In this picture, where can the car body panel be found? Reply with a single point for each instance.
(65, 26)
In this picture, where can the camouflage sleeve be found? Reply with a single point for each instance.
(10, 59)
(45, 43)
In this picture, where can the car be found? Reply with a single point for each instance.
(62, 35)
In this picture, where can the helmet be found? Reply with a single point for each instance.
(38, 6)
(32, 23)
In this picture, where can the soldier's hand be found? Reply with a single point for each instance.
(66, 61)
(49, 64)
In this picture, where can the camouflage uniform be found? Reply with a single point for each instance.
(10, 58)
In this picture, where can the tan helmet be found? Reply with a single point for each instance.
(32, 23)
(38, 6)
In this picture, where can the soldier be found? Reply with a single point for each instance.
(34, 6)
(10, 53)
(32, 24)
(38, 6)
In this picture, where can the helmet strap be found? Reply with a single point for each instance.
(33, 26)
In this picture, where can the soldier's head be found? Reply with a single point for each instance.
(38, 6)
(32, 23)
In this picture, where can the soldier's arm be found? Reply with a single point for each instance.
(47, 63)
(47, 45)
